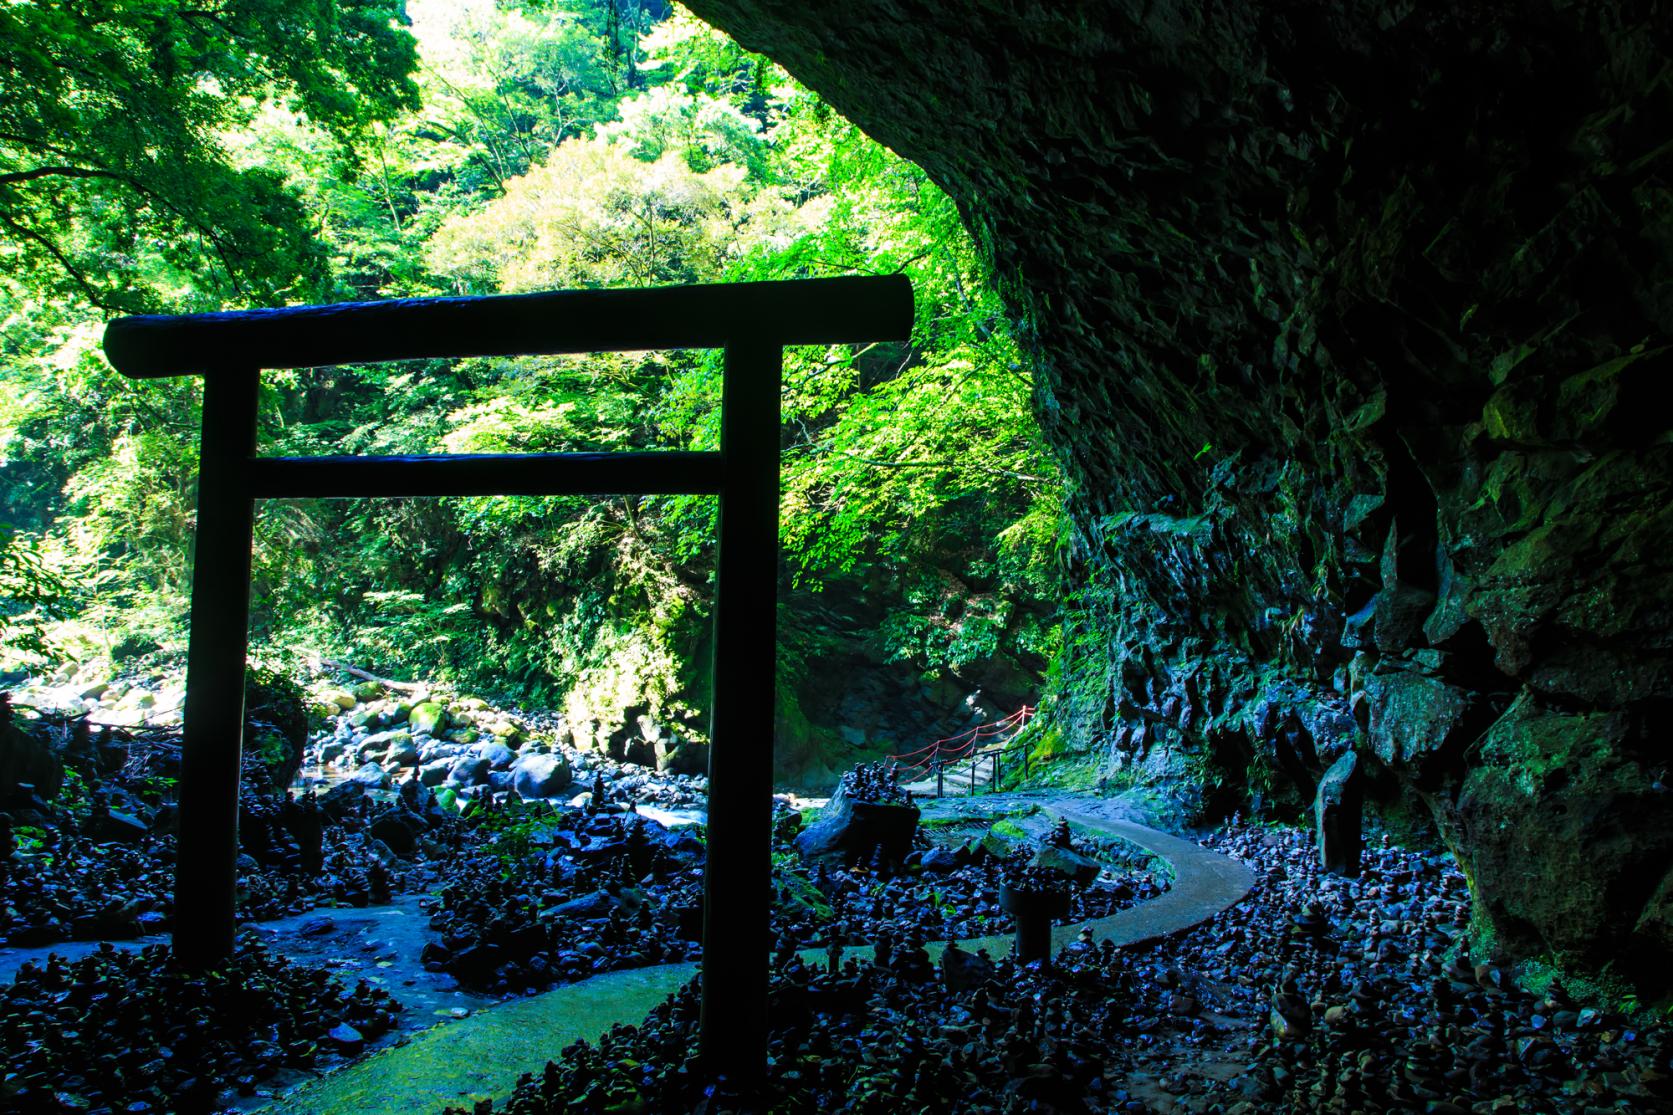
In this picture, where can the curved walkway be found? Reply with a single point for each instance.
(481, 1056)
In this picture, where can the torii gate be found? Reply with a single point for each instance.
(751, 321)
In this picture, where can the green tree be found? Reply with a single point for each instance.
(115, 185)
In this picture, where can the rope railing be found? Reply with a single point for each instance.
(956, 748)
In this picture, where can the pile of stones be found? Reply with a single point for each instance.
(1315, 994)
(591, 891)
(128, 1031)
(566, 894)
(959, 897)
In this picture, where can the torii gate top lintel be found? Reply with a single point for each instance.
(789, 312)
(751, 321)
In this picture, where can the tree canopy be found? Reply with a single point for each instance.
(116, 185)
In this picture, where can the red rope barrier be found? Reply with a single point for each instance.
(961, 746)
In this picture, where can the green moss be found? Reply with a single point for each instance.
(1007, 831)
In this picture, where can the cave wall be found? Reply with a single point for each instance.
(1351, 320)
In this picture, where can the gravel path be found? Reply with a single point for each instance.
(482, 1056)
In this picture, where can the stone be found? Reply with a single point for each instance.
(1565, 785)
(343, 701)
(399, 829)
(428, 718)
(434, 773)
(379, 741)
(1067, 863)
(588, 907)
(116, 826)
(498, 755)
(401, 754)
(372, 776)
(676, 755)
(1336, 817)
(965, 971)
(346, 1039)
(940, 861)
(849, 828)
(343, 798)
(468, 771)
(367, 691)
(540, 776)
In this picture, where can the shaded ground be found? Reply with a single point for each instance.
(447, 1064)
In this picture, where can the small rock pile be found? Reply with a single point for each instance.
(563, 894)
(127, 1031)
(103, 874)
(874, 782)
(592, 892)
(957, 898)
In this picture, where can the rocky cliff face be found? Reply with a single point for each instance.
(1354, 320)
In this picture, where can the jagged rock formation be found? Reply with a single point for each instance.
(1351, 318)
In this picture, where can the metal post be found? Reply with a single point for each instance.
(206, 863)
(940, 775)
(738, 885)
(974, 760)
(993, 785)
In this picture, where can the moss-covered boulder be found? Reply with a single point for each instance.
(428, 718)
(276, 724)
(1569, 846)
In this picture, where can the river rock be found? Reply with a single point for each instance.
(1068, 863)
(941, 861)
(540, 776)
(343, 798)
(849, 828)
(117, 826)
(428, 718)
(499, 756)
(468, 771)
(372, 776)
(399, 829)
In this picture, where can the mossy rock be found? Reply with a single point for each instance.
(1004, 837)
(368, 691)
(428, 718)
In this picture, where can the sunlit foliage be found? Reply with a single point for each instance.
(568, 143)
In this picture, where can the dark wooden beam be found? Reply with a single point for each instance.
(796, 312)
(528, 474)
(206, 857)
(738, 882)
